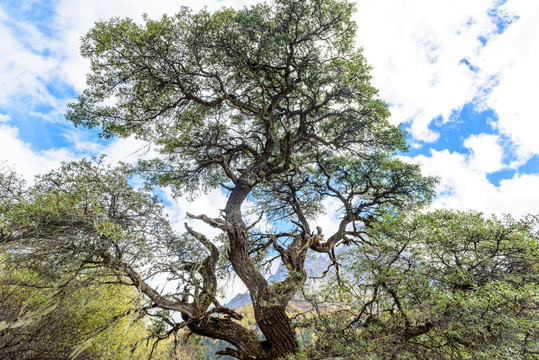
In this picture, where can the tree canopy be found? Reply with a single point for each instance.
(272, 105)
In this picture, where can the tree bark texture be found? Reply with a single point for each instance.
(269, 311)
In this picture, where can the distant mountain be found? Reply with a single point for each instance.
(239, 301)
(314, 267)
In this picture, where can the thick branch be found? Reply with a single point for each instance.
(207, 271)
(161, 301)
(216, 223)
(249, 347)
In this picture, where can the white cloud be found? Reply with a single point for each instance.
(464, 184)
(519, 191)
(417, 52)
(429, 62)
(461, 186)
(26, 161)
(416, 48)
(29, 162)
(4, 118)
(23, 72)
(513, 56)
(487, 153)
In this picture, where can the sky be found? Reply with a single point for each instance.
(461, 76)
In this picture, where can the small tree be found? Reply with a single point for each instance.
(272, 104)
(56, 299)
(442, 285)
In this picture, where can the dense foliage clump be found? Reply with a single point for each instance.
(440, 285)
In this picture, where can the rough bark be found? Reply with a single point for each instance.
(277, 327)
(270, 311)
(249, 347)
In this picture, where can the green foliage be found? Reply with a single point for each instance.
(85, 215)
(67, 243)
(101, 321)
(39, 324)
(203, 86)
(436, 286)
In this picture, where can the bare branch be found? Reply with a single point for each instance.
(216, 223)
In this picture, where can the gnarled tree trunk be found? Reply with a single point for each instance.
(269, 311)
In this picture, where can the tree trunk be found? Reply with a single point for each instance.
(277, 327)
(269, 312)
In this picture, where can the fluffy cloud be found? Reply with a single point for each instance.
(464, 183)
(513, 57)
(423, 56)
(23, 70)
(519, 190)
(432, 58)
(487, 153)
(29, 162)
(23, 159)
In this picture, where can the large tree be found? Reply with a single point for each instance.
(273, 105)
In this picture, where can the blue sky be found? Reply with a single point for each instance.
(460, 75)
